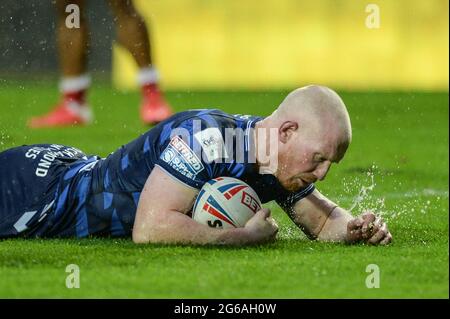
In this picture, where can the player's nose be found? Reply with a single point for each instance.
(322, 170)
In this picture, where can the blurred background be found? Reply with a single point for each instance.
(255, 44)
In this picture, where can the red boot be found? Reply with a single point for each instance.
(154, 107)
(70, 111)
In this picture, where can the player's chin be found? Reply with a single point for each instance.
(292, 185)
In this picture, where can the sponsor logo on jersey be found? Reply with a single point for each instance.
(212, 143)
(181, 158)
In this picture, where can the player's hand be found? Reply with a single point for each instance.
(368, 228)
(261, 227)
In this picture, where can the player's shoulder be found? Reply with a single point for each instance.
(212, 116)
(212, 128)
(207, 143)
(194, 120)
(206, 117)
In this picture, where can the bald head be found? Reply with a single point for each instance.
(315, 108)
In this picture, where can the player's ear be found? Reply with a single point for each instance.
(286, 130)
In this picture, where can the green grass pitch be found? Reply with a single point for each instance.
(399, 138)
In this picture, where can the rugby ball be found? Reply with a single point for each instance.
(225, 202)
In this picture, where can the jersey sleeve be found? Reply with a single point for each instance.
(288, 199)
(181, 157)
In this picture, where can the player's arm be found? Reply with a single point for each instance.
(161, 217)
(322, 219)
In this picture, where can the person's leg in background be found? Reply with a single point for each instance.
(133, 35)
(72, 46)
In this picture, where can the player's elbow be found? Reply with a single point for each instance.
(145, 235)
(145, 238)
(145, 225)
(139, 240)
(151, 230)
(141, 232)
(139, 236)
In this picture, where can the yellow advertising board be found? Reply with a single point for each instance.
(260, 44)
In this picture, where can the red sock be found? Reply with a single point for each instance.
(76, 96)
(150, 89)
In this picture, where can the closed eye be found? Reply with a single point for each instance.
(319, 158)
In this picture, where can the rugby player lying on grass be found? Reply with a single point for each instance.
(147, 188)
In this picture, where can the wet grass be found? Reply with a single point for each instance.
(399, 138)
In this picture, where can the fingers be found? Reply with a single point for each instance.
(272, 221)
(355, 224)
(261, 227)
(379, 235)
(367, 214)
(368, 224)
(274, 226)
(382, 237)
(354, 235)
(371, 228)
(368, 228)
(263, 213)
(387, 240)
(269, 227)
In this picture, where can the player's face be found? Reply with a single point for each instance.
(304, 160)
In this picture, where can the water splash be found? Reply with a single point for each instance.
(364, 192)
(3, 138)
(364, 200)
(403, 204)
